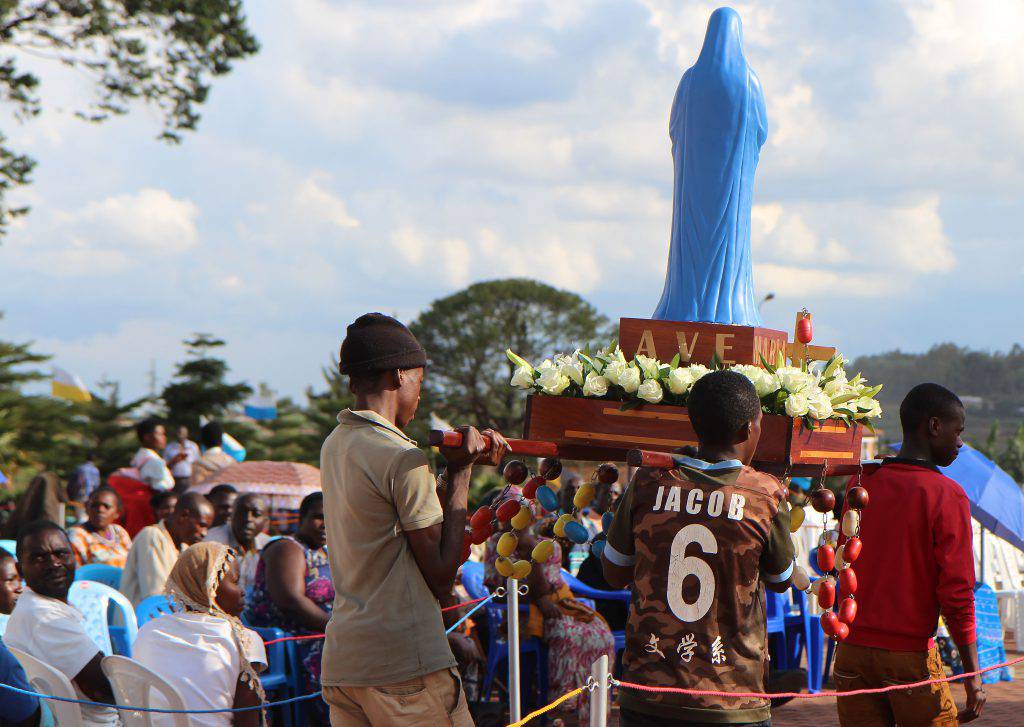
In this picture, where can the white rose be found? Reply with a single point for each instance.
(614, 370)
(764, 383)
(629, 379)
(796, 405)
(838, 385)
(552, 381)
(697, 372)
(650, 391)
(648, 365)
(819, 405)
(595, 385)
(872, 407)
(678, 381)
(571, 367)
(523, 378)
(793, 379)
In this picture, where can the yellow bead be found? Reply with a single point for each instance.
(542, 551)
(796, 519)
(503, 566)
(522, 519)
(559, 526)
(507, 544)
(521, 569)
(583, 496)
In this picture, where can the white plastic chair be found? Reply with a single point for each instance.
(95, 600)
(135, 685)
(44, 679)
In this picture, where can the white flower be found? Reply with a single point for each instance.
(793, 379)
(614, 370)
(552, 381)
(764, 383)
(796, 405)
(650, 391)
(523, 378)
(629, 379)
(866, 408)
(819, 405)
(682, 378)
(648, 365)
(595, 385)
(572, 367)
(838, 385)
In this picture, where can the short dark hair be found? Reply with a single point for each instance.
(191, 502)
(34, 528)
(107, 489)
(925, 401)
(720, 403)
(221, 489)
(212, 434)
(161, 497)
(309, 502)
(147, 427)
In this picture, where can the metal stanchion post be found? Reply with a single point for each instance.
(512, 621)
(599, 697)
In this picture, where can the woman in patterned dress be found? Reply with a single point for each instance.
(293, 590)
(576, 636)
(100, 539)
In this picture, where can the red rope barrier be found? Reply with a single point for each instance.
(463, 605)
(819, 695)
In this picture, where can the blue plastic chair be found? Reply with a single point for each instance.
(497, 642)
(103, 607)
(108, 575)
(152, 607)
(776, 607)
(276, 679)
(10, 546)
(585, 592)
(800, 628)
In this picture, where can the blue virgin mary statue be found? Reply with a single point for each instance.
(717, 127)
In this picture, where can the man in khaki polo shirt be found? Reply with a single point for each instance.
(394, 544)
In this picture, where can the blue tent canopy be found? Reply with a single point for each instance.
(996, 499)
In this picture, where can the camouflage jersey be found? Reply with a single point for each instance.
(701, 538)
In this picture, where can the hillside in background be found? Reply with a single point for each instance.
(990, 384)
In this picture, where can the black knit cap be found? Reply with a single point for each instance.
(376, 342)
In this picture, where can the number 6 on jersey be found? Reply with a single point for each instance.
(680, 566)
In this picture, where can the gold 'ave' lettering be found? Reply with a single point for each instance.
(686, 350)
(646, 347)
(721, 346)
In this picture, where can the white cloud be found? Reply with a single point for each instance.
(312, 200)
(152, 220)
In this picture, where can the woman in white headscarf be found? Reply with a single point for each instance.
(203, 649)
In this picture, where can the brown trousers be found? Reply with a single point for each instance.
(861, 667)
(431, 700)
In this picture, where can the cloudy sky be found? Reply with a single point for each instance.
(376, 155)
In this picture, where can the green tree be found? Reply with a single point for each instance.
(199, 387)
(107, 427)
(466, 334)
(162, 52)
(323, 406)
(288, 438)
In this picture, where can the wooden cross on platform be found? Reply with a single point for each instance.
(798, 352)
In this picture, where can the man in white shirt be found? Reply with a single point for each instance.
(246, 533)
(45, 626)
(180, 455)
(214, 457)
(147, 460)
(156, 547)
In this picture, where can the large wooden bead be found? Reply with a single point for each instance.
(796, 519)
(857, 497)
(550, 468)
(507, 510)
(841, 631)
(504, 566)
(826, 596)
(521, 569)
(829, 622)
(801, 581)
(482, 515)
(847, 582)
(848, 610)
(823, 500)
(829, 537)
(575, 532)
(547, 498)
(531, 487)
(583, 496)
(515, 472)
(507, 544)
(559, 527)
(816, 586)
(840, 563)
(851, 549)
(607, 474)
(851, 523)
(826, 558)
(480, 533)
(542, 551)
(522, 519)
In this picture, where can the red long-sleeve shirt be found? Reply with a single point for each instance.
(917, 559)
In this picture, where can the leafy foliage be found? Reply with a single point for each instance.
(161, 52)
(466, 335)
(106, 428)
(199, 387)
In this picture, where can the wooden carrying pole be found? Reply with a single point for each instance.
(528, 447)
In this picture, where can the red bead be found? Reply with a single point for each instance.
(515, 472)
(826, 558)
(481, 516)
(530, 488)
(851, 550)
(507, 510)
(841, 632)
(847, 610)
(607, 474)
(829, 622)
(826, 595)
(550, 468)
(804, 330)
(858, 498)
(480, 533)
(847, 582)
(823, 500)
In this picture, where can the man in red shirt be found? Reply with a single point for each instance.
(917, 560)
